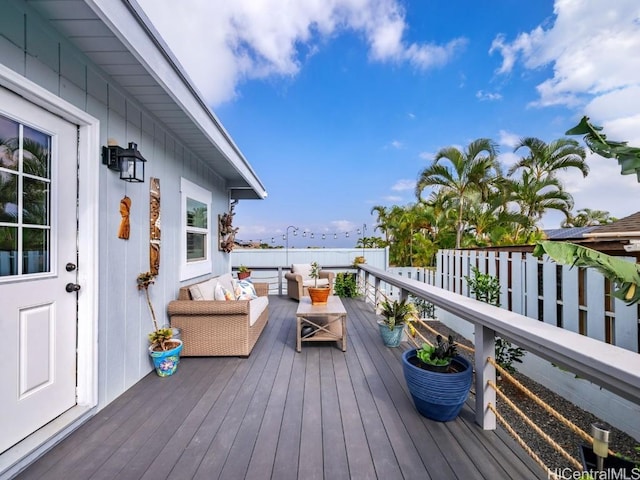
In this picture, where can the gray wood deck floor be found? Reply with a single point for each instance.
(283, 415)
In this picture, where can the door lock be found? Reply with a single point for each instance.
(72, 287)
(70, 267)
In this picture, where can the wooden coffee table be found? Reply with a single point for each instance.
(329, 322)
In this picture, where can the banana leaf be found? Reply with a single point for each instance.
(624, 274)
(628, 157)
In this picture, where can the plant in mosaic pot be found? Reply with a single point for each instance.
(163, 349)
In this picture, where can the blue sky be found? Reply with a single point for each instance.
(339, 104)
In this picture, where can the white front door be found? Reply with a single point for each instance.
(38, 252)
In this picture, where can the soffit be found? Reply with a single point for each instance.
(144, 68)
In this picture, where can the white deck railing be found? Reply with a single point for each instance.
(611, 367)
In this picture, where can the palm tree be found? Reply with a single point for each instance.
(473, 169)
(586, 217)
(535, 197)
(383, 220)
(545, 160)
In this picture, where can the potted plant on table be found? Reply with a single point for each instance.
(243, 272)
(394, 313)
(163, 349)
(438, 379)
(318, 294)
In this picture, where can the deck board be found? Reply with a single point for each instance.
(318, 414)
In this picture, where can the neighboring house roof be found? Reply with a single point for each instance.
(118, 37)
(624, 227)
(568, 233)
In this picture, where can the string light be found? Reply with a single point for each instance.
(307, 233)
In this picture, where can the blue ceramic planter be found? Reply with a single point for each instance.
(166, 362)
(438, 396)
(391, 338)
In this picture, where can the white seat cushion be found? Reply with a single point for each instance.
(322, 282)
(256, 307)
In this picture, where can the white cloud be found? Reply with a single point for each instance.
(426, 155)
(398, 145)
(343, 225)
(508, 139)
(221, 43)
(482, 95)
(404, 184)
(592, 48)
(393, 198)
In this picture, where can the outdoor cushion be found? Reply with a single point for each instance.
(203, 290)
(322, 282)
(221, 293)
(245, 290)
(256, 307)
(302, 269)
(227, 281)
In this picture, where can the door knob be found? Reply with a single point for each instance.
(72, 287)
(70, 267)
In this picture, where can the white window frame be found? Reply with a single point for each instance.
(198, 268)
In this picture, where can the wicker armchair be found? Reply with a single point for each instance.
(298, 280)
(217, 328)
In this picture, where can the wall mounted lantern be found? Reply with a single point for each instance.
(128, 161)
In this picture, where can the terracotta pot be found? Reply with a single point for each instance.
(243, 275)
(319, 295)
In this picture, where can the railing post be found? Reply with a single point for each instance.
(279, 280)
(403, 294)
(376, 290)
(485, 372)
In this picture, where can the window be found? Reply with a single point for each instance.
(25, 198)
(196, 228)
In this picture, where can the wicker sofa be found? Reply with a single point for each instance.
(218, 327)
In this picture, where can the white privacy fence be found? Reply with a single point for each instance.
(576, 299)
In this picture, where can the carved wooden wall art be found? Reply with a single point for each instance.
(154, 225)
(226, 232)
(125, 228)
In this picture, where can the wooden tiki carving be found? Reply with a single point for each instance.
(154, 225)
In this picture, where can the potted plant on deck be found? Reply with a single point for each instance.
(243, 272)
(394, 313)
(163, 349)
(318, 294)
(438, 379)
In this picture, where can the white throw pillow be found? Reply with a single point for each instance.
(222, 294)
(227, 282)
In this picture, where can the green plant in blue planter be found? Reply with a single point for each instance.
(438, 357)
(395, 314)
(438, 379)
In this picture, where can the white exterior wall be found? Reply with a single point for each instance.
(31, 48)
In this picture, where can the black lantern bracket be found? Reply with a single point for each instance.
(128, 161)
